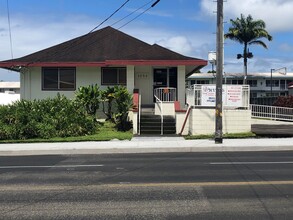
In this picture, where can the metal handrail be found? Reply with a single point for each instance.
(162, 118)
(166, 94)
(271, 112)
(139, 113)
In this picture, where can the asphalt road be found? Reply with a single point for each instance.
(268, 130)
(239, 185)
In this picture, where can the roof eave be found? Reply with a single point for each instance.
(16, 66)
(158, 62)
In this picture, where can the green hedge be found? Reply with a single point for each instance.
(52, 117)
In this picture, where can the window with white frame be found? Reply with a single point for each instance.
(192, 82)
(114, 76)
(58, 78)
(202, 82)
(275, 83)
(233, 81)
(252, 82)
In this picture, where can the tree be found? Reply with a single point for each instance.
(247, 31)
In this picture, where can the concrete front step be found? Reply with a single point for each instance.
(151, 124)
(156, 132)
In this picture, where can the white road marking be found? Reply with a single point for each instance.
(52, 166)
(124, 183)
(243, 163)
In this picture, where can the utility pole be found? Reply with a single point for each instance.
(219, 76)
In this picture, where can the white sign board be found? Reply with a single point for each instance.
(232, 95)
(208, 95)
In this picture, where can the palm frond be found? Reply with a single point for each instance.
(258, 42)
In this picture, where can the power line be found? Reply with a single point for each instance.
(10, 37)
(79, 40)
(131, 13)
(153, 5)
(110, 16)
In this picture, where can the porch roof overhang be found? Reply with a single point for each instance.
(17, 66)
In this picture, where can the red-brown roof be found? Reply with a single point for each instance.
(106, 46)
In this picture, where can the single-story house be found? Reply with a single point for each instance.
(155, 75)
(105, 57)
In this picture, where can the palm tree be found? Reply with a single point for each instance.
(247, 31)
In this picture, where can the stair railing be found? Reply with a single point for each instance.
(185, 119)
(139, 113)
(161, 110)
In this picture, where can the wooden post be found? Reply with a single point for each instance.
(219, 76)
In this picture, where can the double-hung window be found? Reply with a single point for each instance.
(58, 78)
(114, 76)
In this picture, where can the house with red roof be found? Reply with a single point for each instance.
(155, 75)
(106, 57)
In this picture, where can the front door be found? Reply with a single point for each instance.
(165, 77)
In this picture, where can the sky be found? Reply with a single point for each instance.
(184, 26)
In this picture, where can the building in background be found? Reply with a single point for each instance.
(9, 92)
(10, 87)
(260, 83)
(290, 87)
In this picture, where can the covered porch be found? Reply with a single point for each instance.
(165, 82)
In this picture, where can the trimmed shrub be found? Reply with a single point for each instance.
(52, 117)
(107, 98)
(124, 102)
(89, 98)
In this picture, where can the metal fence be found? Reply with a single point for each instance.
(166, 94)
(234, 96)
(272, 112)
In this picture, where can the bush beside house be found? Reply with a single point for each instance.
(59, 116)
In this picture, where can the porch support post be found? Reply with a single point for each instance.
(181, 72)
(25, 83)
(22, 85)
(130, 78)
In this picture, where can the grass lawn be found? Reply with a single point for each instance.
(227, 136)
(105, 132)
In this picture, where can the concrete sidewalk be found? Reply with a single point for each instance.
(148, 145)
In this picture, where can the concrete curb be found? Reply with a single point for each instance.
(147, 145)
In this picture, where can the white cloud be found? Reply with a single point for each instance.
(257, 64)
(190, 43)
(178, 43)
(286, 47)
(29, 35)
(276, 13)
